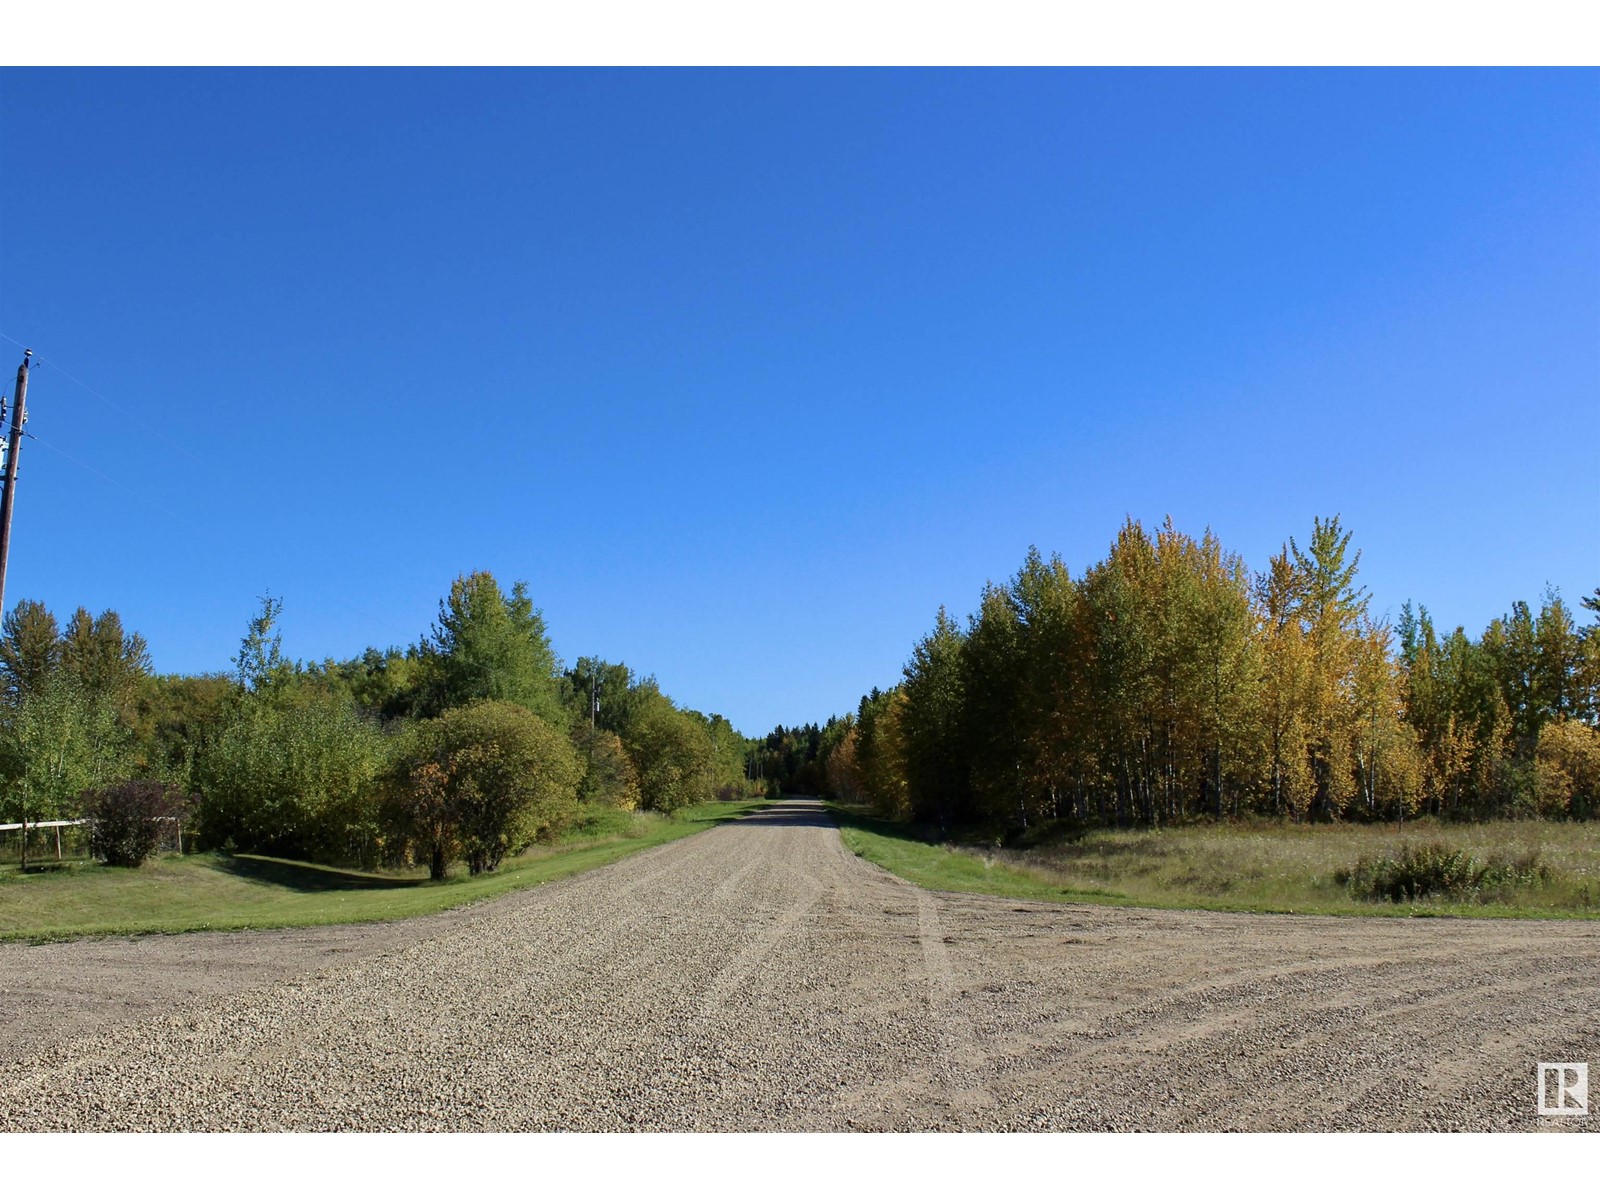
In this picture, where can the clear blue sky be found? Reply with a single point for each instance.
(747, 372)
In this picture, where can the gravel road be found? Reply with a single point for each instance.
(758, 976)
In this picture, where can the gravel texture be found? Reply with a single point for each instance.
(758, 976)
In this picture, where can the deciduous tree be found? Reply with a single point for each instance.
(480, 782)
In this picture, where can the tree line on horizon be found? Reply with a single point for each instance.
(469, 745)
(1168, 682)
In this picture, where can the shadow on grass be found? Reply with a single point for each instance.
(308, 877)
(943, 865)
(849, 816)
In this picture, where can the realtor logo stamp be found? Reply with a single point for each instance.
(1563, 1089)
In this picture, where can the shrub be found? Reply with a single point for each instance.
(480, 782)
(1415, 872)
(125, 819)
(292, 778)
(608, 775)
(672, 755)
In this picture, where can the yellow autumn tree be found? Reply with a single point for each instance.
(886, 775)
(1285, 686)
(1567, 769)
(1388, 762)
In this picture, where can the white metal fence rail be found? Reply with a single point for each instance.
(58, 826)
(11, 835)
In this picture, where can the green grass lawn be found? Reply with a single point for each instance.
(173, 894)
(1256, 867)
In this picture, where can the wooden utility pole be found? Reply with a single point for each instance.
(19, 414)
(594, 704)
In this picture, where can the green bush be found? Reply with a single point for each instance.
(1436, 870)
(609, 778)
(673, 757)
(292, 778)
(478, 783)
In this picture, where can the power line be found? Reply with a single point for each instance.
(144, 424)
(177, 516)
(145, 496)
(115, 482)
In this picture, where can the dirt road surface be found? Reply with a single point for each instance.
(758, 976)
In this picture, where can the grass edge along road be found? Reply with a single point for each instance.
(220, 892)
(1021, 875)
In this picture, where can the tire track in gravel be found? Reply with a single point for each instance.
(536, 977)
(958, 1054)
(759, 976)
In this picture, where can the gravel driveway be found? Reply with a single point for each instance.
(758, 976)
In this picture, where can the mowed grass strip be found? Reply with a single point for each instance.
(173, 894)
(1259, 867)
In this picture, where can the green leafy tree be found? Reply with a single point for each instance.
(490, 646)
(1119, 671)
(608, 775)
(386, 683)
(672, 754)
(728, 747)
(479, 783)
(789, 757)
(602, 686)
(30, 649)
(1558, 661)
(293, 779)
(57, 743)
(993, 662)
(173, 718)
(106, 660)
(935, 692)
(260, 665)
(1050, 704)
